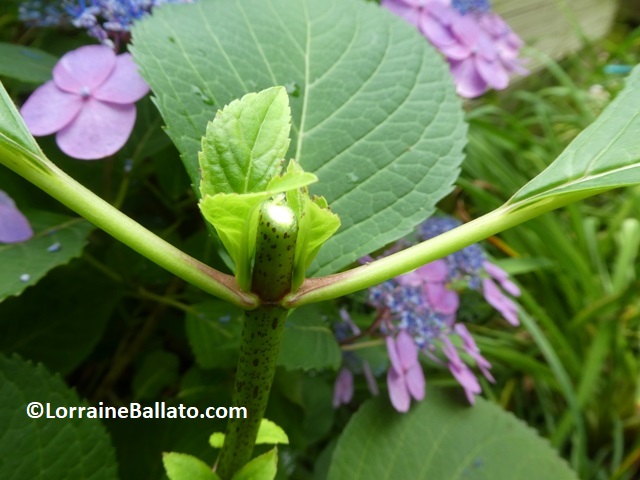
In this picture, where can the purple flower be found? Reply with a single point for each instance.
(101, 18)
(14, 227)
(89, 104)
(405, 378)
(343, 388)
(423, 305)
(481, 49)
(460, 371)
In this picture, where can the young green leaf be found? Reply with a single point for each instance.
(245, 144)
(271, 434)
(263, 467)
(268, 433)
(180, 466)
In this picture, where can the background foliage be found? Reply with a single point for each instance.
(120, 329)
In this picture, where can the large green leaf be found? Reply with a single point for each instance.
(25, 63)
(41, 448)
(57, 240)
(374, 112)
(60, 320)
(441, 438)
(605, 155)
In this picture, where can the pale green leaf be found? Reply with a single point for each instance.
(318, 225)
(605, 155)
(443, 437)
(25, 63)
(271, 434)
(57, 240)
(180, 466)
(48, 448)
(263, 467)
(245, 144)
(16, 142)
(216, 440)
(374, 112)
(235, 218)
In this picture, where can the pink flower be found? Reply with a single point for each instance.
(14, 227)
(89, 104)
(343, 388)
(460, 371)
(405, 378)
(481, 49)
(469, 345)
(496, 298)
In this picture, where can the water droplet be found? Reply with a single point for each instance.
(25, 277)
(353, 177)
(54, 247)
(292, 89)
(197, 91)
(225, 319)
(128, 165)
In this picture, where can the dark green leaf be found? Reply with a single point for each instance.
(308, 341)
(41, 448)
(60, 320)
(214, 331)
(25, 63)
(57, 240)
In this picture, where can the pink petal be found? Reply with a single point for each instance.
(435, 271)
(403, 10)
(466, 30)
(392, 351)
(124, 85)
(498, 300)
(414, 379)
(100, 130)
(492, 72)
(50, 109)
(442, 299)
(84, 68)
(465, 377)
(371, 380)
(468, 83)
(411, 279)
(343, 389)
(495, 271)
(436, 32)
(14, 226)
(398, 392)
(407, 350)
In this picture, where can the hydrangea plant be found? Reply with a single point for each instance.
(305, 156)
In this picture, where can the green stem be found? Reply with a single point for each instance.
(259, 351)
(340, 284)
(271, 280)
(41, 172)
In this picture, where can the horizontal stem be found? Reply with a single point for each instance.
(343, 283)
(45, 175)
